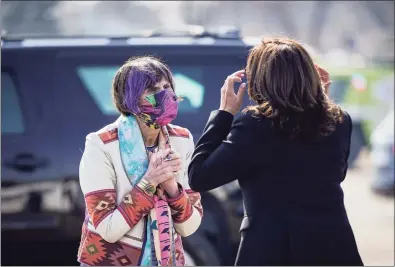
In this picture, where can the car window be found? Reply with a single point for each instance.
(11, 113)
(98, 79)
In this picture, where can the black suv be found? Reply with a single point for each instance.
(54, 91)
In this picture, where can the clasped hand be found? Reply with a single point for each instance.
(162, 170)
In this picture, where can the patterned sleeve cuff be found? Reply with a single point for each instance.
(195, 199)
(100, 204)
(136, 205)
(181, 207)
(180, 193)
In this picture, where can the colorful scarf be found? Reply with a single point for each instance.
(159, 245)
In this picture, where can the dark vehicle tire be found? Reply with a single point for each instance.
(56, 253)
(200, 250)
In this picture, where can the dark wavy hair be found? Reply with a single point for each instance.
(286, 86)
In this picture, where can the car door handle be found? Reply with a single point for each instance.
(26, 162)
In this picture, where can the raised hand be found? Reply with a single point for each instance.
(324, 76)
(230, 101)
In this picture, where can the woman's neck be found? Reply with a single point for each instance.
(150, 135)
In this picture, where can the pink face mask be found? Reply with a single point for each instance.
(159, 109)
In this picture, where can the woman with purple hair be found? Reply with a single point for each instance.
(133, 175)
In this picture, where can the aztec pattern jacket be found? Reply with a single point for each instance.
(114, 230)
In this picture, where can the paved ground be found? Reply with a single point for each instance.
(371, 216)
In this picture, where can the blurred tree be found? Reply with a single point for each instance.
(317, 21)
(137, 17)
(382, 11)
(28, 17)
(194, 13)
(322, 24)
(107, 18)
(282, 11)
(205, 13)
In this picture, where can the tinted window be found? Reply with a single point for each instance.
(11, 113)
(98, 79)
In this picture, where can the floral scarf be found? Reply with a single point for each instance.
(159, 246)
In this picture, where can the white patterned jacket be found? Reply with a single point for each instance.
(114, 230)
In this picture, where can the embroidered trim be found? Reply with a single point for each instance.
(135, 238)
(189, 191)
(180, 195)
(109, 136)
(179, 254)
(100, 204)
(126, 235)
(95, 251)
(195, 199)
(181, 208)
(135, 205)
(99, 191)
(84, 232)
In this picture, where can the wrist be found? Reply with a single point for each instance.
(147, 186)
(150, 180)
(174, 190)
(228, 110)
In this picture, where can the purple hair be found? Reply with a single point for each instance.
(136, 75)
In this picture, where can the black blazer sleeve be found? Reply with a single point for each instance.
(348, 120)
(223, 153)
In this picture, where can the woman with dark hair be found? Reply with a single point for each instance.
(289, 154)
(134, 178)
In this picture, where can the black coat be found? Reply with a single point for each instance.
(293, 202)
